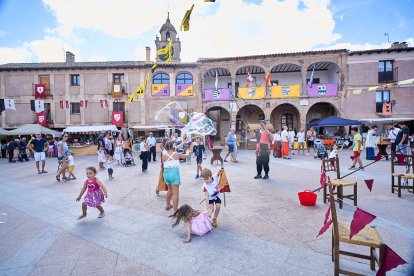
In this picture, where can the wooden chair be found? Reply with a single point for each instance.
(408, 162)
(367, 237)
(339, 183)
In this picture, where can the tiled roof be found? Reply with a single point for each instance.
(88, 65)
(202, 60)
(378, 51)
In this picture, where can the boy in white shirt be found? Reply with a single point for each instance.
(71, 165)
(212, 193)
(301, 141)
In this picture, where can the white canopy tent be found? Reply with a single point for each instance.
(30, 129)
(151, 127)
(80, 129)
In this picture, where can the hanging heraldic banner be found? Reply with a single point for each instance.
(40, 91)
(41, 118)
(116, 90)
(117, 118)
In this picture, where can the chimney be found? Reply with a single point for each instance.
(148, 54)
(70, 57)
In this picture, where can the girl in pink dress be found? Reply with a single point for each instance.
(95, 194)
(196, 223)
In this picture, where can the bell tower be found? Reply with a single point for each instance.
(168, 32)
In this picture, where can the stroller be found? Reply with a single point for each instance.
(128, 160)
(320, 151)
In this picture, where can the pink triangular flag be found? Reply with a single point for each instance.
(359, 221)
(323, 179)
(391, 260)
(327, 215)
(377, 157)
(324, 227)
(369, 183)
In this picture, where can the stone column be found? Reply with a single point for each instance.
(3, 95)
(172, 84)
(82, 98)
(304, 72)
(67, 98)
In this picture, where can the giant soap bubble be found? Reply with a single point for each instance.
(173, 115)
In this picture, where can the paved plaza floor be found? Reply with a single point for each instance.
(263, 230)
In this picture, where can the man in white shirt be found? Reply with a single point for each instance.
(392, 135)
(152, 143)
(285, 143)
(301, 141)
(291, 138)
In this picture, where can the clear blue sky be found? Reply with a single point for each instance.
(357, 22)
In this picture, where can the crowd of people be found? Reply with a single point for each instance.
(176, 150)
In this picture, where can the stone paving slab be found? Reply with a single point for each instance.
(262, 231)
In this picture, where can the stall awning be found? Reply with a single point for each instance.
(30, 129)
(3, 132)
(385, 120)
(79, 129)
(334, 121)
(254, 127)
(151, 127)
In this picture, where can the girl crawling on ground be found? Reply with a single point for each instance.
(196, 223)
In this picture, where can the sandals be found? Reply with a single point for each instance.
(82, 216)
(44, 171)
(39, 172)
(58, 178)
(168, 207)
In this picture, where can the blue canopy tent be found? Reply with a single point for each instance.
(334, 121)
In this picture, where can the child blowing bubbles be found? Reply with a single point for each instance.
(213, 195)
(94, 196)
(196, 223)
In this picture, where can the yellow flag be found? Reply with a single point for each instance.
(146, 81)
(131, 97)
(185, 24)
(406, 82)
(373, 88)
(165, 54)
(139, 92)
(153, 67)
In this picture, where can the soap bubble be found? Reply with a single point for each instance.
(199, 124)
(172, 114)
(195, 123)
(3, 218)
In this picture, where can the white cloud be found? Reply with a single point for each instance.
(12, 55)
(48, 49)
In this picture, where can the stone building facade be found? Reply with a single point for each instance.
(214, 86)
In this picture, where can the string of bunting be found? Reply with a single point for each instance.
(358, 91)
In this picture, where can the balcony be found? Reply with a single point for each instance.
(223, 94)
(321, 90)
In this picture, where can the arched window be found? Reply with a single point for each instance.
(161, 78)
(167, 36)
(184, 78)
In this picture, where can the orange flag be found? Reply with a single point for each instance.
(161, 183)
(224, 183)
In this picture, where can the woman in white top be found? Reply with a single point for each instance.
(119, 144)
(171, 163)
(277, 144)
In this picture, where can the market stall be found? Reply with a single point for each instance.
(82, 138)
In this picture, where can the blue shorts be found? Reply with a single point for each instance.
(231, 147)
(172, 176)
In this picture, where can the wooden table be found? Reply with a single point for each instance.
(216, 155)
(382, 150)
